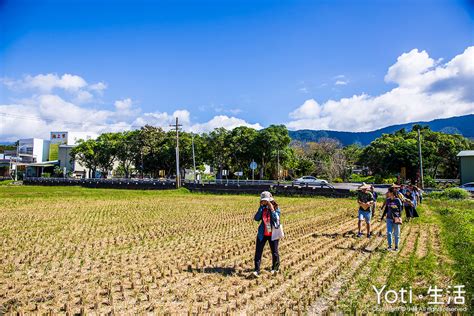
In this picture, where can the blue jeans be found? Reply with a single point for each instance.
(395, 229)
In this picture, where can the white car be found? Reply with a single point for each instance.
(468, 187)
(310, 180)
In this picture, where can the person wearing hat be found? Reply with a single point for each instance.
(268, 215)
(399, 191)
(365, 199)
(375, 195)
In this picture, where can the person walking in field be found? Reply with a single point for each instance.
(268, 215)
(375, 195)
(409, 204)
(412, 195)
(393, 210)
(365, 199)
(419, 193)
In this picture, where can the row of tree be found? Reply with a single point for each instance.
(387, 154)
(150, 151)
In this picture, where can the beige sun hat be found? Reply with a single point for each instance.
(364, 186)
(266, 196)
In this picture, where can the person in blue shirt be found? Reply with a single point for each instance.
(268, 215)
(409, 204)
(393, 210)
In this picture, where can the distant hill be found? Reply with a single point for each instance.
(463, 125)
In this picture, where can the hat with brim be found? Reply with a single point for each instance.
(266, 196)
(396, 186)
(364, 186)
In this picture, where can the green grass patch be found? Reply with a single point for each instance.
(457, 223)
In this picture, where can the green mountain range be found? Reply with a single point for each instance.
(463, 125)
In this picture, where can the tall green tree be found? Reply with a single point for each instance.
(150, 157)
(127, 145)
(217, 153)
(86, 153)
(242, 148)
(271, 142)
(106, 150)
(387, 154)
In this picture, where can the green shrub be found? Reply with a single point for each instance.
(451, 193)
(46, 175)
(429, 182)
(456, 193)
(359, 178)
(389, 180)
(337, 180)
(378, 178)
(436, 194)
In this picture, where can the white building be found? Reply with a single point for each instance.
(33, 150)
(61, 144)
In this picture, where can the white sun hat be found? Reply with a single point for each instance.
(266, 196)
(364, 186)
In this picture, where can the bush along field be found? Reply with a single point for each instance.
(77, 250)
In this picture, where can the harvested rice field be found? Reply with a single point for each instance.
(70, 250)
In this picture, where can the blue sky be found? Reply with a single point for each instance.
(257, 62)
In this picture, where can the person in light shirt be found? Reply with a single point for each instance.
(268, 215)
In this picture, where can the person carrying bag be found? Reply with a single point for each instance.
(393, 209)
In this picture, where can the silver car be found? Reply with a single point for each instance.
(310, 180)
(468, 187)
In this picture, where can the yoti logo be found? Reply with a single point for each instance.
(392, 296)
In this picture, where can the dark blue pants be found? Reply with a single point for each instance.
(259, 251)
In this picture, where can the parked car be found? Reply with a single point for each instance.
(468, 187)
(310, 180)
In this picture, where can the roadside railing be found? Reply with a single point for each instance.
(120, 181)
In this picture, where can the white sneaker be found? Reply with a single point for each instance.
(389, 249)
(273, 272)
(255, 274)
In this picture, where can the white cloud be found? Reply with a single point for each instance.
(340, 80)
(163, 119)
(46, 83)
(222, 121)
(41, 114)
(83, 97)
(44, 110)
(99, 87)
(123, 105)
(310, 108)
(426, 90)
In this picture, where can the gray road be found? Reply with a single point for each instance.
(353, 186)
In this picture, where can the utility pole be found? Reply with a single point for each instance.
(421, 159)
(178, 177)
(278, 162)
(194, 157)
